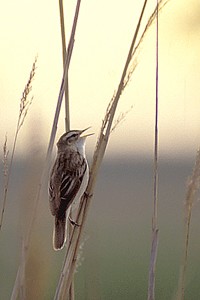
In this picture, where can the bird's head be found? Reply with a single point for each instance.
(74, 139)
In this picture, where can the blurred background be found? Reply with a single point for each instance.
(114, 258)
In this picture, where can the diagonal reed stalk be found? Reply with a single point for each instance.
(64, 54)
(192, 189)
(19, 282)
(73, 243)
(72, 246)
(63, 83)
(25, 103)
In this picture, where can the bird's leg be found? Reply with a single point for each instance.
(87, 195)
(73, 222)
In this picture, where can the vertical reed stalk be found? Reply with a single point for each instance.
(17, 285)
(67, 112)
(64, 53)
(66, 277)
(154, 246)
(69, 265)
(63, 82)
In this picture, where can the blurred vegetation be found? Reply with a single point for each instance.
(114, 256)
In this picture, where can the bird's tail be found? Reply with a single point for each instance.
(59, 235)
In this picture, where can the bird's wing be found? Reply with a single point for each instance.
(53, 197)
(64, 186)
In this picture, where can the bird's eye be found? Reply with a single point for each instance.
(72, 138)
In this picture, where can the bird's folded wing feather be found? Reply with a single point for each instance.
(64, 186)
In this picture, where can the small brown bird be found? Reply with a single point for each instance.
(68, 180)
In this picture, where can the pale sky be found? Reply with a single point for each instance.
(104, 33)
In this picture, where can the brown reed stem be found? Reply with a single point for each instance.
(16, 287)
(63, 82)
(67, 113)
(64, 53)
(154, 245)
(68, 269)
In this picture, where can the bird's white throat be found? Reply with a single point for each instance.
(80, 143)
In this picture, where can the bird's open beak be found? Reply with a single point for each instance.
(84, 131)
